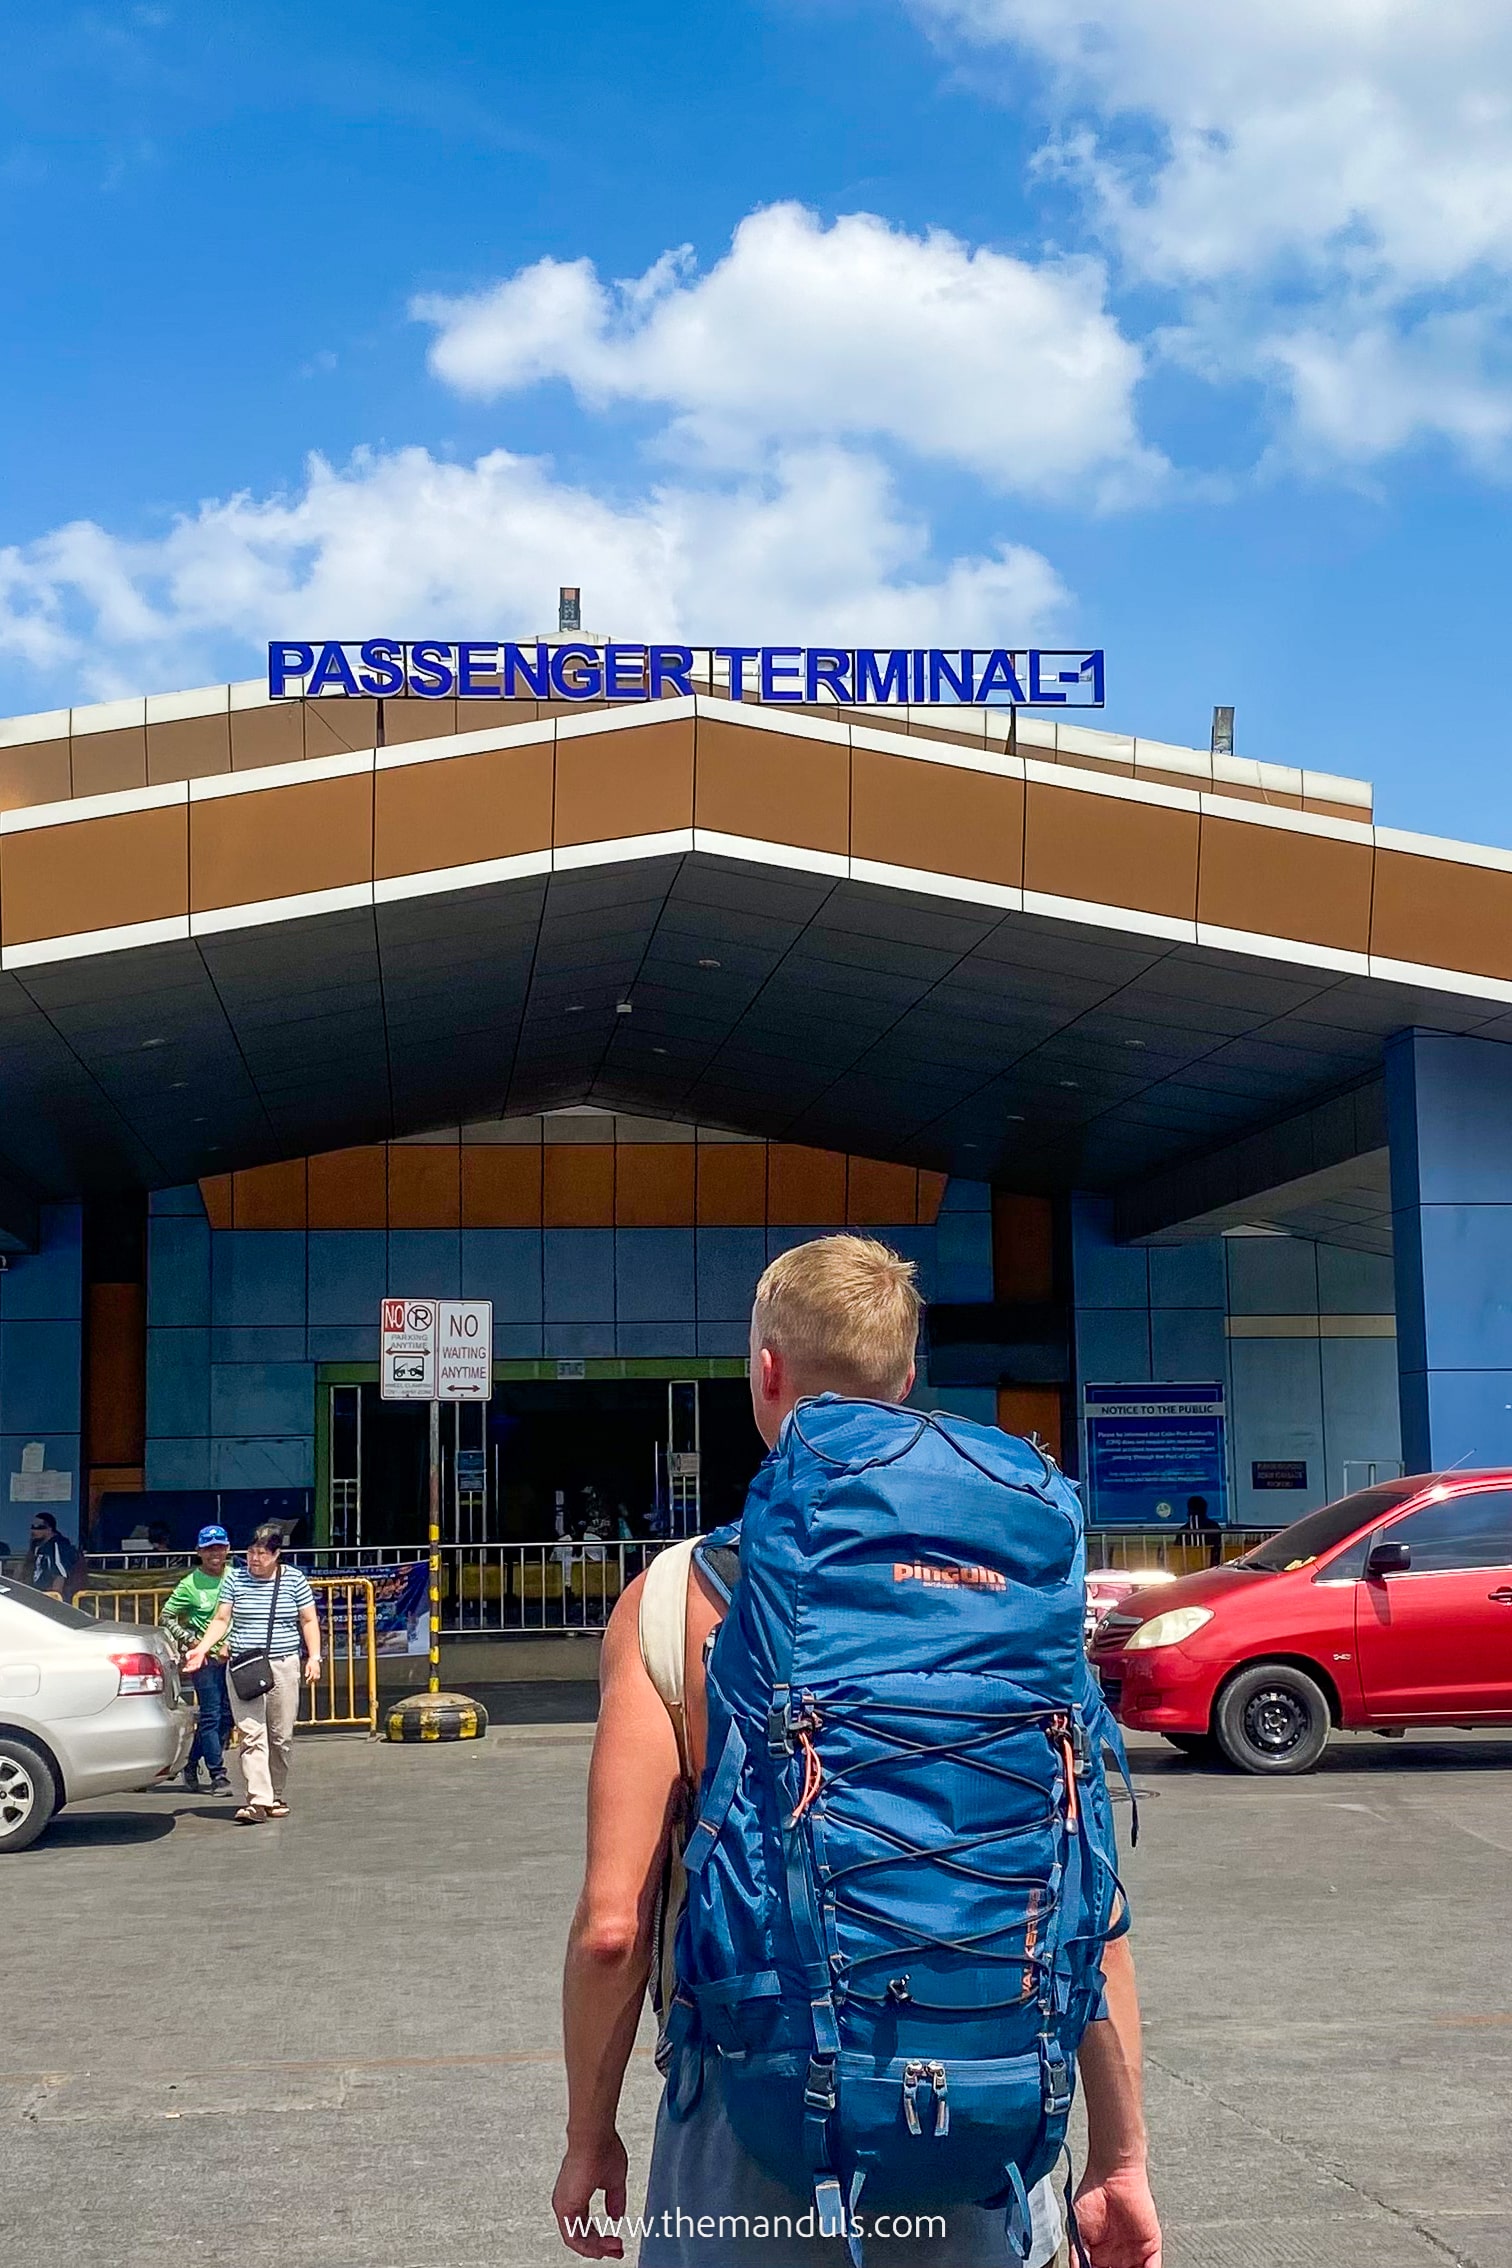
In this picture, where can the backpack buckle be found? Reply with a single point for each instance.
(819, 2087)
(1056, 2075)
(779, 1723)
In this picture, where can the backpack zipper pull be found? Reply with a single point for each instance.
(913, 2073)
(939, 2081)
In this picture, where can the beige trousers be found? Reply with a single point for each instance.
(266, 1727)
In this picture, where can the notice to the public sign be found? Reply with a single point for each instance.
(407, 1344)
(464, 1350)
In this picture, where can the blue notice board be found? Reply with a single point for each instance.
(1152, 1449)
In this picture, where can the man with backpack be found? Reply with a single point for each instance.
(847, 1801)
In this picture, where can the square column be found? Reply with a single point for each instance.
(1449, 1125)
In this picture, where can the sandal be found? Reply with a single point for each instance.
(252, 1815)
(278, 1810)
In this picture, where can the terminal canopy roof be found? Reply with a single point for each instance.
(1033, 956)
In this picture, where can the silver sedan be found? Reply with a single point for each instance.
(86, 1709)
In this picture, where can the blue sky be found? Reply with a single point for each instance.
(972, 321)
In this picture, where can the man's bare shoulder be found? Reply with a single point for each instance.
(620, 1655)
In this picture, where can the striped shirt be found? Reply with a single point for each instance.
(250, 1597)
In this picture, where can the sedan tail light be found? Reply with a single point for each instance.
(140, 1673)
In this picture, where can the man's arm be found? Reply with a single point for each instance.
(212, 1634)
(1115, 2212)
(632, 1795)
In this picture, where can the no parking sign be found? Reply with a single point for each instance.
(436, 1350)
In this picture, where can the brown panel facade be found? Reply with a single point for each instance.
(270, 1196)
(337, 727)
(38, 773)
(187, 748)
(501, 1185)
(93, 874)
(424, 1185)
(637, 781)
(280, 842)
(653, 1184)
(732, 1184)
(104, 763)
(349, 1188)
(931, 1193)
(1112, 850)
(489, 716)
(1284, 883)
(215, 1196)
(461, 809)
(274, 735)
(1023, 1247)
(773, 787)
(116, 1373)
(1026, 1410)
(578, 1185)
(1451, 916)
(879, 1195)
(929, 815)
(805, 1187)
(410, 718)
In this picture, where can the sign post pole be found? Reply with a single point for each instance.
(435, 1547)
(436, 1351)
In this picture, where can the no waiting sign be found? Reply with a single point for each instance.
(436, 1350)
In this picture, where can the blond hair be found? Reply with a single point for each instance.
(843, 1312)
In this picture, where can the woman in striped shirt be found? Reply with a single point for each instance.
(265, 1607)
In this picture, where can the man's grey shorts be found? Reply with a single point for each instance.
(700, 2173)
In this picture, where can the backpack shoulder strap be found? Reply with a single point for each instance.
(664, 1632)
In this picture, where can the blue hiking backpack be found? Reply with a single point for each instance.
(902, 1873)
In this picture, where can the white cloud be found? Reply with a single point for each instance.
(1323, 184)
(816, 546)
(855, 332)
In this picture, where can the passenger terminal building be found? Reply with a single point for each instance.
(1171, 1071)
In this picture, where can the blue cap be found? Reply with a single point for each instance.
(208, 1536)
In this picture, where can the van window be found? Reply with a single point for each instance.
(1473, 1530)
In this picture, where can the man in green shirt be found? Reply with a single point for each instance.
(186, 1614)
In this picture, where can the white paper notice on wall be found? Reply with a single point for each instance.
(41, 1488)
(34, 1456)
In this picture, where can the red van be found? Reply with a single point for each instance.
(1391, 1608)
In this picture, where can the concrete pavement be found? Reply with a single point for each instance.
(333, 2043)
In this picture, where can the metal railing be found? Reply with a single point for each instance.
(565, 1585)
(346, 1692)
(524, 1589)
(1179, 1554)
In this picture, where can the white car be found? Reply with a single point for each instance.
(87, 1708)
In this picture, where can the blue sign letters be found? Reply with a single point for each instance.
(549, 670)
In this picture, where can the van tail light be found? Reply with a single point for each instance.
(140, 1673)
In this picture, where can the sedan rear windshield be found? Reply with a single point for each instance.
(1309, 1538)
(39, 1602)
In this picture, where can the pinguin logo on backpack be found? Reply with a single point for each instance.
(952, 1578)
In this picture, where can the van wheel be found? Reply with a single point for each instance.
(1198, 1745)
(1272, 1719)
(28, 1795)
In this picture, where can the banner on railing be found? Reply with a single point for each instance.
(401, 1609)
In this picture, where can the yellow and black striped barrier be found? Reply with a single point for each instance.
(436, 1716)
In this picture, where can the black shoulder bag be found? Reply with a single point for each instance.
(252, 1674)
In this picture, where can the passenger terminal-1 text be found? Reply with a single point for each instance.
(868, 676)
